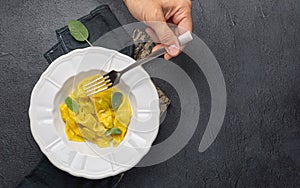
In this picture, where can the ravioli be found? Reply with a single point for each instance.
(95, 120)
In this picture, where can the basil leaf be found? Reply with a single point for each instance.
(113, 131)
(78, 30)
(72, 104)
(116, 100)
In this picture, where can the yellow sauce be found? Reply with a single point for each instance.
(95, 117)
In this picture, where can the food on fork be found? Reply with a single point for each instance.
(102, 118)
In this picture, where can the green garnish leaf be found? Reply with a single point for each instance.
(78, 31)
(72, 104)
(116, 100)
(113, 131)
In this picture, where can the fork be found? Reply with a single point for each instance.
(112, 78)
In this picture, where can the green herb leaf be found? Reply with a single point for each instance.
(116, 100)
(78, 30)
(113, 131)
(72, 104)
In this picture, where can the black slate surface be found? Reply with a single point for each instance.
(257, 44)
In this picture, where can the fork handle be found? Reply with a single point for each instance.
(182, 39)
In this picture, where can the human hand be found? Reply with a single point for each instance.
(156, 14)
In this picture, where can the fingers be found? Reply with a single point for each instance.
(183, 18)
(166, 37)
(185, 24)
(152, 34)
(156, 47)
(161, 32)
(172, 50)
(166, 56)
(155, 39)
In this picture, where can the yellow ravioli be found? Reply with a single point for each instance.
(106, 118)
(64, 111)
(95, 117)
(123, 113)
(72, 135)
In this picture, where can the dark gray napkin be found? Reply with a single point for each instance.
(98, 22)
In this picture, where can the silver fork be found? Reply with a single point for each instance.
(113, 77)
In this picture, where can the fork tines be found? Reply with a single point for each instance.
(97, 85)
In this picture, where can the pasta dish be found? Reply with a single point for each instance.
(101, 119)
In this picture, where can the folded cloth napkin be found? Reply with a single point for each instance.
(98, 22)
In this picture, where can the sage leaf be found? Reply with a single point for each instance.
(78, 31)
(72, 105)
(116, 100)
(113, 131)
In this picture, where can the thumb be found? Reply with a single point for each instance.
(166, 37)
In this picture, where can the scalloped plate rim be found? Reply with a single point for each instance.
(53, 159)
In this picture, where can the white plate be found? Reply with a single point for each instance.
(85, 159)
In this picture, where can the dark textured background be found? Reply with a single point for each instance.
(257, 44)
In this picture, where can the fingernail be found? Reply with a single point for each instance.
(173, 49)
